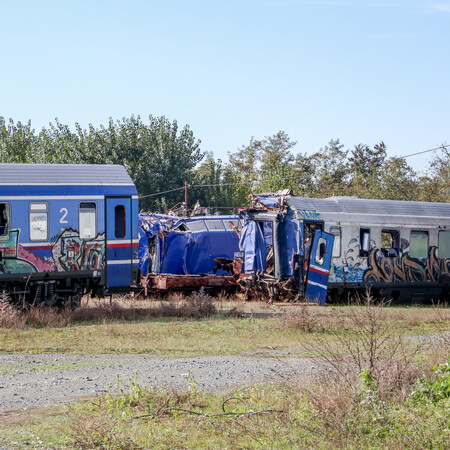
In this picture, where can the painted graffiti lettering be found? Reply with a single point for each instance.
(405, 268)
(308, 213)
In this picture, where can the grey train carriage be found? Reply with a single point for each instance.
(330, 247)
(66, 230)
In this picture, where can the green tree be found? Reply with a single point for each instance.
(331, 174)
(435, 185)
(398, 181)
(159, 156)
(268, 160)
(365, 166)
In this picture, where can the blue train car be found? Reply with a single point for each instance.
(66, 230)
(187, 246)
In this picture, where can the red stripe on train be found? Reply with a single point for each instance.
(135, 244)
(37, 247)
(321, 272)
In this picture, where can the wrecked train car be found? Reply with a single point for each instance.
(323, 248)
(187, 253)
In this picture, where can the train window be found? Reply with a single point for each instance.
(119, 221)
(444, 244)
(38, 221)
(5, 218)
(418, 244)
(197, 225)
(320, 252)
(336, 232)
(364, 238)
(232, 224)
(88, 220)
(390, 241)
(215, 225)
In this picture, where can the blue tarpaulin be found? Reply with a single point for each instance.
(188, 246)
(253, 244)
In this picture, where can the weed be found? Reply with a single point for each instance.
(372, 345)
(433, 388)
(302, 318)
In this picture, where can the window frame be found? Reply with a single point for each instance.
(214, 223)
(439, 242)
(95, 219)
(116, 236)
(362, 251)
(410, 242)
(336, 227)
(45, 211)
(318, 258)
(5, 236)
(395, 242)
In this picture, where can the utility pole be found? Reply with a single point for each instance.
(186, 193)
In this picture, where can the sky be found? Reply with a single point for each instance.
(360, 71)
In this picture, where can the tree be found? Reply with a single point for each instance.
(398, 181)
(365, 166)
(331, 170)
(268, 160)
(158, 156)
(435, 186)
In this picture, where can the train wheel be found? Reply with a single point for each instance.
(71, 301)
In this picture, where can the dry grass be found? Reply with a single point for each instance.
(302, 318)
(195, 306)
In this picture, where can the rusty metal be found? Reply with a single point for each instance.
(168, 282)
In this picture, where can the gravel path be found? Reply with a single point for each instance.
(48, 379)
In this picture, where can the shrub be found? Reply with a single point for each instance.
(433, 388)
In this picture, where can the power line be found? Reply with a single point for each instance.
(160, 193)
(240, 183)
(191, 186)
(426, 151)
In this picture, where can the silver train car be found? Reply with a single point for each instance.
(328, 247)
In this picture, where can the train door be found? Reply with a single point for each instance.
(118, 242)
(319, 267)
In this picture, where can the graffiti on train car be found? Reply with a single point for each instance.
(70, 252)
(405, 268)
(14, 259)
(66, 253)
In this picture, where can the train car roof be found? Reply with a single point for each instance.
(358, 206)
(64, 174)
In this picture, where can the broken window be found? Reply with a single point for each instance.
(390, 242)
(232, 225)
(418, 244)
(38, 221)
(364, 238)
(5, 218)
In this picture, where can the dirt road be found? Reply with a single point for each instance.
(48, 379)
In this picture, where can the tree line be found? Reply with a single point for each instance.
(160, 156)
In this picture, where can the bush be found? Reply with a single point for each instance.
(433, 388)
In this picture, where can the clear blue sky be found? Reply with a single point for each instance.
(362, 71)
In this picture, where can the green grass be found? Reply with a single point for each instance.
(269, 415)
(370, 411)
(217, 335)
